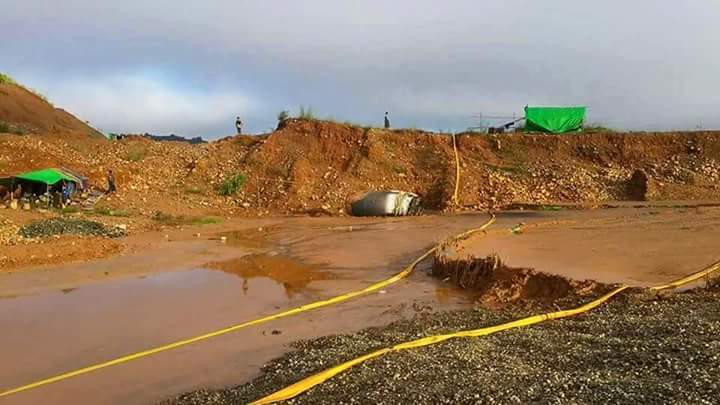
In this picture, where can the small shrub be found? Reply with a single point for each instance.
(283, 115)
(306, 113)
(232, 185)
(5, 79)
(6, 128)
(136, 154)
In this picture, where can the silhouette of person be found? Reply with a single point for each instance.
(387, 121)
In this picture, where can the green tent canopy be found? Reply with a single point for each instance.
(555, 120)
(47, 176)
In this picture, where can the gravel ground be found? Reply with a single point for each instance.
(62, 226)
(635, 349)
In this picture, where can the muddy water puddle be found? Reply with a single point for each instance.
(252, 238)
(133, 313)
(292, 275)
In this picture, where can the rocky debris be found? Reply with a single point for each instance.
(9, 232)
(308, 165)
(65, 226)
(634, 349)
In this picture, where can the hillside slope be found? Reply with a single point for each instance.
(23, 111)
(317, 166)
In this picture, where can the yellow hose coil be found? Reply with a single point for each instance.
(314, 305)
(309, 382)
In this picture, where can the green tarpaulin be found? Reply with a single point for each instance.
(554, 119)
(46, 176)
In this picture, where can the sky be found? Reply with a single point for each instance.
(164, 67)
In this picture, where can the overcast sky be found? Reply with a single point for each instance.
(162, 66)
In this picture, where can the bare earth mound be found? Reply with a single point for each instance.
(24, 111)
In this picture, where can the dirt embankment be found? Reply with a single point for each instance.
(23, 111)
(498, 285)
(315, 166)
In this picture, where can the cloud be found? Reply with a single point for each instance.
(136, 104)
(639, 64)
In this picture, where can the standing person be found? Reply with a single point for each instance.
(111, 182)
(65, 192)
(238, 125)
(387, 121)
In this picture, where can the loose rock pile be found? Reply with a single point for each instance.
(63, 226)
(9, 232)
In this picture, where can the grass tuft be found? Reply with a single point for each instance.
(232, 185)
(105, 211)
(306, 113)
(178, 220)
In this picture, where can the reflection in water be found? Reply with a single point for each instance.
(253, 238)
(292, 275)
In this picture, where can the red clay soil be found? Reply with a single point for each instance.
(26, 112)
(318, 166)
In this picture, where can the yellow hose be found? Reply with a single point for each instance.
(309, 382)
(318, 304)
(689, 279)
(455, 199)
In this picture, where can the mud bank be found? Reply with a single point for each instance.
(497, 285)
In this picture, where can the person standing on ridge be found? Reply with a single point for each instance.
(111, 182)
(238, 125)
(387, 121)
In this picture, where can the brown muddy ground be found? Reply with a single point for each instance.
(176, 285)
(638, 247)
(59, 319)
